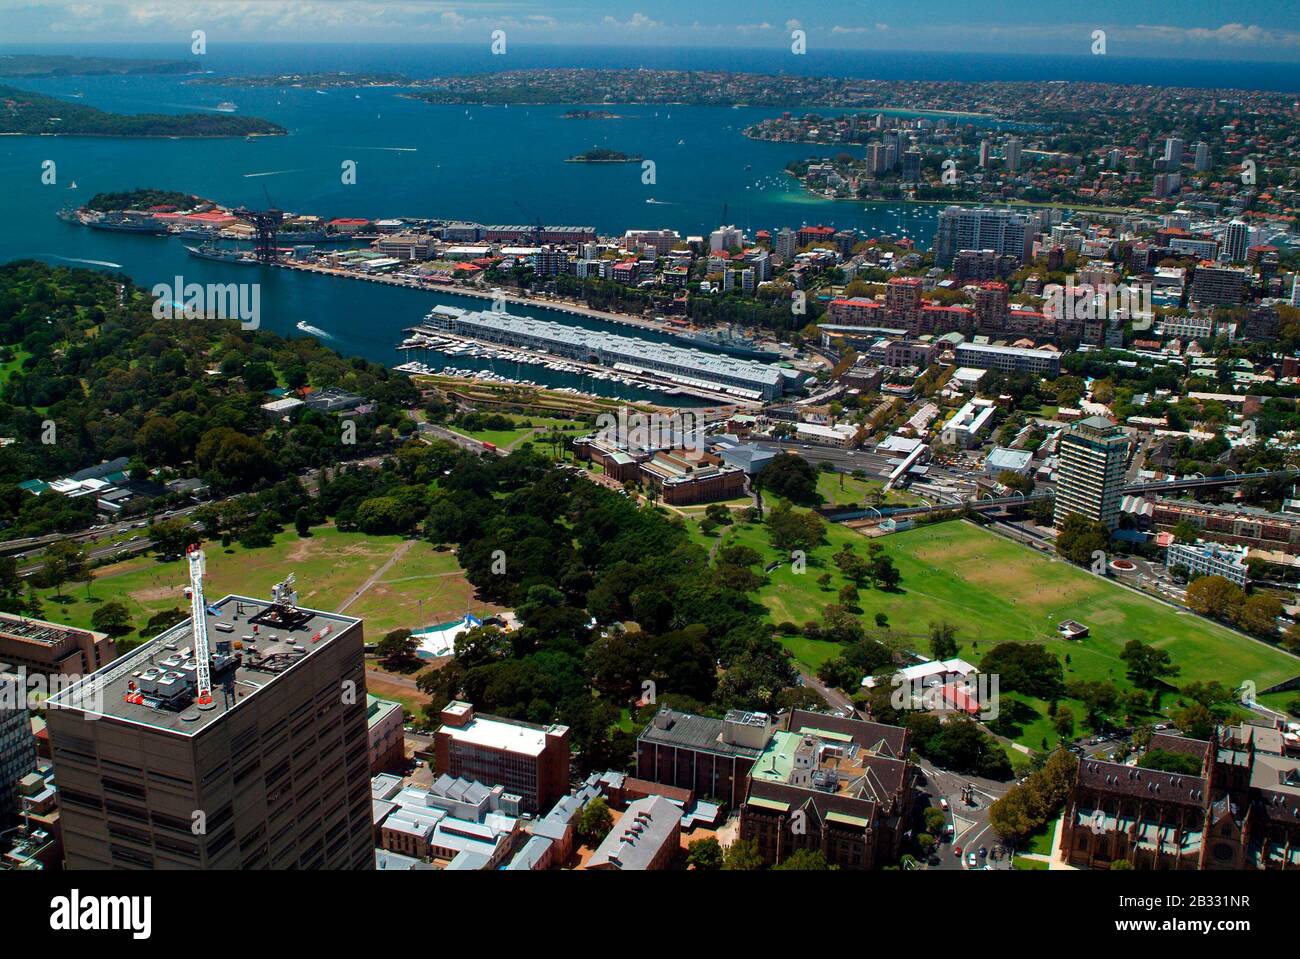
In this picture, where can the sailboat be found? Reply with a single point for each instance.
(73, 186)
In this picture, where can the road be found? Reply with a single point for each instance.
(833, 697)
(970, 822)
(35, 546)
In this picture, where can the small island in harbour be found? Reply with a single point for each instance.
(603, 155)
(590, 115)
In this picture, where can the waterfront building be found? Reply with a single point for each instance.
(746, 379)
(1003, 231)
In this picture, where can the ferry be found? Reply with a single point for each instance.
(225, 106)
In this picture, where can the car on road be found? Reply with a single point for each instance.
(956, 851)
(983, 852)
(971, 860)
(943, 804)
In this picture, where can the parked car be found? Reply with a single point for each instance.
(956, 851)
(971, 860)
(983, 852)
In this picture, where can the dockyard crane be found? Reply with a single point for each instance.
(199, 627)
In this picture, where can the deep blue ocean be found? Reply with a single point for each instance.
(490, 164)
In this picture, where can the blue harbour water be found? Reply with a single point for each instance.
(489, 164)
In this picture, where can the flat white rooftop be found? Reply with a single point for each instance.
(500, 734)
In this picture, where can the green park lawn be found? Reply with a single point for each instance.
(509, 438)
(422, 587)
(995, 590)
(8, 369)
(843, 489)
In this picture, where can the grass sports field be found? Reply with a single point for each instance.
(422, 586)
(994, 590)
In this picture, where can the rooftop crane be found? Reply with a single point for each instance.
(199, 627)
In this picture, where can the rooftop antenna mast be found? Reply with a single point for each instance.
(199, 626)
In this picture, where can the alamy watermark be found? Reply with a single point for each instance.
(212, 301)
(678, 430)
(20, 689)
(976, 695)
(1098, 301)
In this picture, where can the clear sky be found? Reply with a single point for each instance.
(1214, 29)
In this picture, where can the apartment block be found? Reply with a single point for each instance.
(1210, 559)
(1093, 456)
(1009, 359)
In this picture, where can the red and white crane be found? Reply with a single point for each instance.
(199, 627)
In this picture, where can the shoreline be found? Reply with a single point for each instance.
(150, 136)
(559, 307)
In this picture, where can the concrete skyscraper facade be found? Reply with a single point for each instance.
(273, 773)
(1090, 479)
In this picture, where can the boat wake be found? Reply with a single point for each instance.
(271, 173)
(390, 149)
(77, 259)
(313, 330)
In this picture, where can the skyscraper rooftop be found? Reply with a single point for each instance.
(254, 642)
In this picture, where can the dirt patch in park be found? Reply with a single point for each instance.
(302, 549)
(154, 593)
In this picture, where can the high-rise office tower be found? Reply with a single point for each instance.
(1004, 232)
(1202, 160)
(785, 243)
(1091, 473)
(911, 165)
(17, 744)
(273, 772)
(1236, 241)
(1011, 152)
